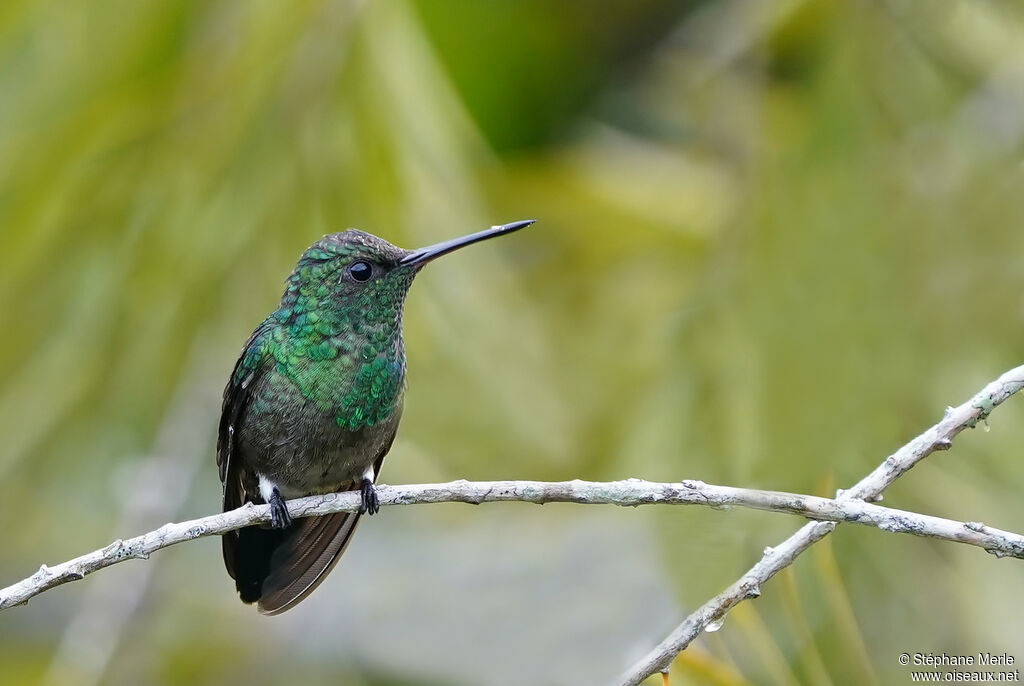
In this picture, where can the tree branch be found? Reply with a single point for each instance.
(630, 493)
(938, 437)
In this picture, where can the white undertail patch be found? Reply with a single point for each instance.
(266, 488)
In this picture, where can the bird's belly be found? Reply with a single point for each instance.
(306, 452)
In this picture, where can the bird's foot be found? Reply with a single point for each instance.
(369, 503)
(279, 517)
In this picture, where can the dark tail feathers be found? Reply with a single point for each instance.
(278, 568)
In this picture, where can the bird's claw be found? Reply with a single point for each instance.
(279, 517)
(369, 504)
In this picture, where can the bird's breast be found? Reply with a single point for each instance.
(313, 442)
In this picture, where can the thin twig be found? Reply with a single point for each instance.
(157, 487)
(631, 492)
(939, 437)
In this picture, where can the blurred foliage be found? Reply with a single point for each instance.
(775, 240)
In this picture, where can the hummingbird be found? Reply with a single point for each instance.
(313, 405)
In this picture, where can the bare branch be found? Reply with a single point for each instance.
(629, 493)
(938, 437)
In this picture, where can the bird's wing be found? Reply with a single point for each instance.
(250, 365)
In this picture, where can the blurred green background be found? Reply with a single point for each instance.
(776, 239)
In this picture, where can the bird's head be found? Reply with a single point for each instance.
(358, 275)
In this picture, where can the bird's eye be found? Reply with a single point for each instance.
(360, 271)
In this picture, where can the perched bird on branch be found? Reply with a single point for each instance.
(313, 405)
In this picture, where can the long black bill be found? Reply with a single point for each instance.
(432, 252)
